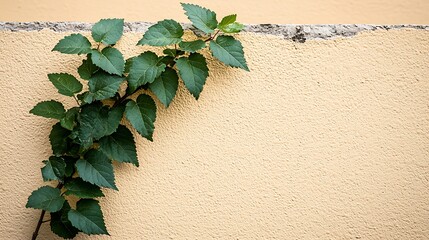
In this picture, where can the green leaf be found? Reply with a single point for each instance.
(194, 72)
(97, 121)
(165, 86)
(54, 169)
(227, 20)
(229, 24)
(73, 44)
(97, 169)
(66, 83)
(69, 119)
(192, 46)
(58, 139)
(162, 33)
(120, 146)
(46, 198)
(202, 18)
(167, 60)
(128, 64)
(142, 115)
(81, 96)
(70, 162)
(108, 31)
(86, 97)
(109, 59)
(229, 51)
(87, 68)
(145, 69)
(104, 85)
(49, 109)
(74, 149)
(88, 217)
(82, 189)
(60, 223)
(232, 28)
(173, 52)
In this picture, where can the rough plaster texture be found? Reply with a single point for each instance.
(327, 139)
(249, 11)
(298, 33)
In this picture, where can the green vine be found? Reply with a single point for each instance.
(89, 136)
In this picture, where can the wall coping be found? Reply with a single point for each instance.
(297, 33)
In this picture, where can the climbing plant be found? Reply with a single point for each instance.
(88, 137)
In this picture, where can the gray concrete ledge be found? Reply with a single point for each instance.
(297, 33)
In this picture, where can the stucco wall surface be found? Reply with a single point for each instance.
(327, 139)
(249, 11)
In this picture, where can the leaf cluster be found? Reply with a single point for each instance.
(87, 138)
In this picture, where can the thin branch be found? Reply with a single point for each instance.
(120, 100)
(212, 37)
(77, 101)
(216, 34)
(36, 231)
(123, 98)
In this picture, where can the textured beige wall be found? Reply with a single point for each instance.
(267, 11)
(328, 139)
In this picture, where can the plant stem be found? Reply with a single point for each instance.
(212, 37)
(36, 231)
(123, 98)
(120, 100)
(216, 34)
(42, 214)
(77, 101)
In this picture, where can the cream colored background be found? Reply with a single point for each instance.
(249, 11)
(323, 140)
